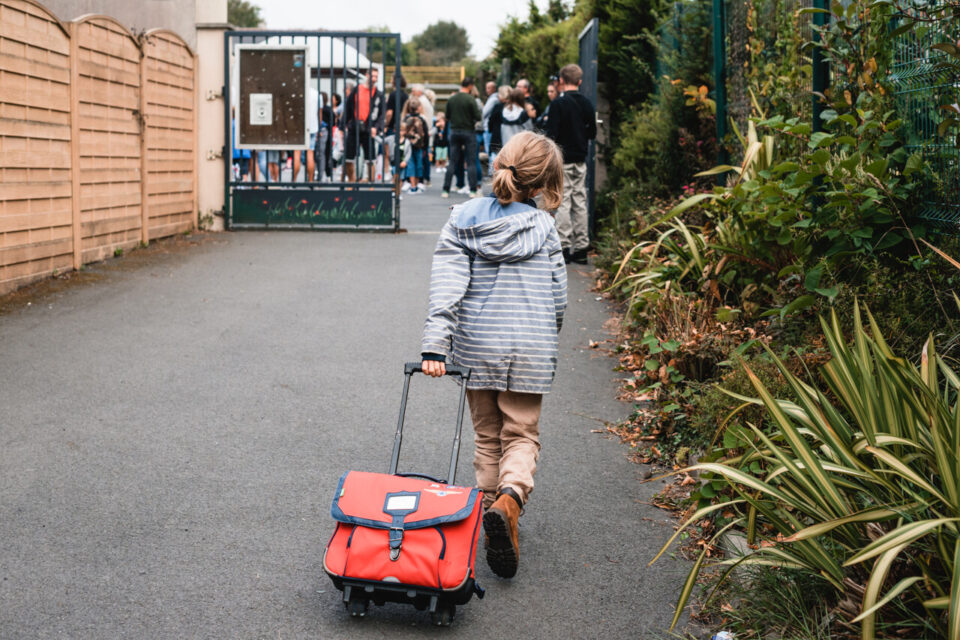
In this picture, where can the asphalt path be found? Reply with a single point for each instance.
(171, 436)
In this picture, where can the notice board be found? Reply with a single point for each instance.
(273, 88)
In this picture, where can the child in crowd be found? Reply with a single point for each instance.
(440, 145)
(406, 151)
(498, 291)
(417, 135)
(515, 116)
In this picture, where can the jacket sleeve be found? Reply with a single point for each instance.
(449, 279)
(559, 284)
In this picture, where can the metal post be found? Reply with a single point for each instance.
(720, 81)
(821, 67)
(396, 134)
(228, 138)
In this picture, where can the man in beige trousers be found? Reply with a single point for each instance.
(572, 124)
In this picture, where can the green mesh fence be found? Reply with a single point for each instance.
(767, 66)
(923, 85)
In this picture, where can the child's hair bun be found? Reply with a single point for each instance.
(529, 162)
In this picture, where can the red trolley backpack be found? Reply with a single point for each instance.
(406, 537)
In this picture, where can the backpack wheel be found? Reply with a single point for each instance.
(357, 607)
(443, 616)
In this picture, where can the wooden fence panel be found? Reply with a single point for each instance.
(108, 136)
(170, 134)
(35, 161)
(98, 146)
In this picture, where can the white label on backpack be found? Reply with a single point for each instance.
(401, 503)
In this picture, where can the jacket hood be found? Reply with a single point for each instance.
(512, 113)
(499, 233)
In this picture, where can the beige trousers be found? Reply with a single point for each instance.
(507, 438)
(572, 220)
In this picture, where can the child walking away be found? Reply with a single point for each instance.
(498, 291)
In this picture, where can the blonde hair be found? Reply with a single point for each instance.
(409, 106)
(527, 163)
(503, 92)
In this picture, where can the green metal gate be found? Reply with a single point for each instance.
(278, 85)
(589, 40)
(924, 85)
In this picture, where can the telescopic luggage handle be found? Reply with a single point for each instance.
(451, 370)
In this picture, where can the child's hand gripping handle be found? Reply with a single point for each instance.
(409, 369)
(451, 369)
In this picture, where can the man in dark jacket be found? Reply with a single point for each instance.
(463, 113)
(363, 116)
(572, 124)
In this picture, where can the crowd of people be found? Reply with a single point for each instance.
(464, 140)
(373, 137)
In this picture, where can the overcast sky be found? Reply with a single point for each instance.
(481, 18)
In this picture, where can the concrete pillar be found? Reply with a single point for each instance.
(211, 16)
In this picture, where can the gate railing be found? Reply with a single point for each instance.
(589, 45)
(924, 85)
(316, 155)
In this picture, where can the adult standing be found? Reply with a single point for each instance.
(428, 114)
(419, 92)
(552, 94)
(417, 132)
(399, 84)
(426, 107)
(363, 115)
(394, 116)
(463, 114)
(528, 98)
(572, 124)
(478, 132)
(492, 101)
(324, 144)
(496, 122)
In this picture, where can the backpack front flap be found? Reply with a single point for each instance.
(395, 503)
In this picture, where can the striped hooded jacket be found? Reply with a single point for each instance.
(498, 290)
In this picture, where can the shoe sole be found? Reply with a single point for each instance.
(501, 554)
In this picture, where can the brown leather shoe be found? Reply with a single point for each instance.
(500, 525)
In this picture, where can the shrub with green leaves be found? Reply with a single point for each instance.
(788, 228)
(859, 484)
